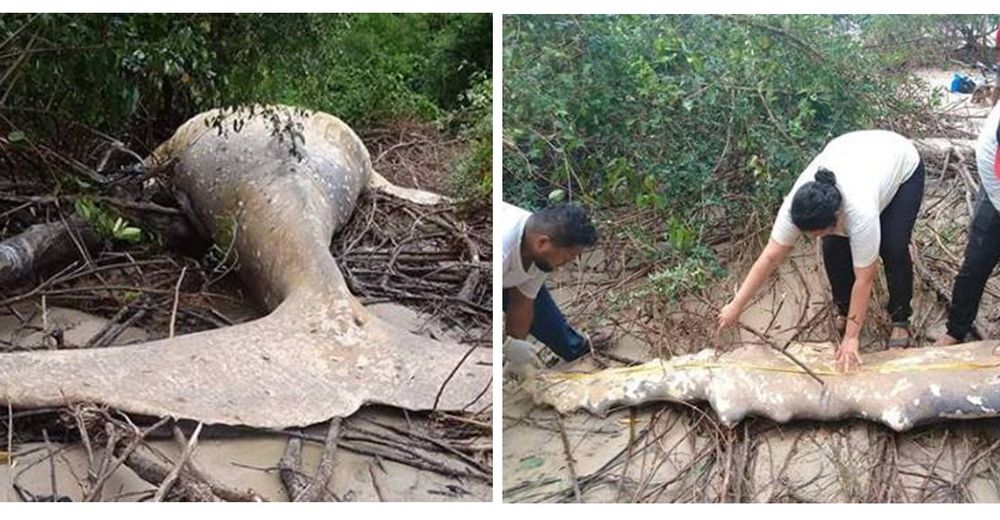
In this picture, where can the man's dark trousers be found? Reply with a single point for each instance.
(551, 328)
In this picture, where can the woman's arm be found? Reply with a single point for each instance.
(861, 294)
(768, 261)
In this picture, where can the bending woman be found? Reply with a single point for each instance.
(861, 196)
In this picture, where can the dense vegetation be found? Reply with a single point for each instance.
(134, 78)
(703, 120)
(928, 40)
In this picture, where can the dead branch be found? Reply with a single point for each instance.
(316, 490)
(41, 246)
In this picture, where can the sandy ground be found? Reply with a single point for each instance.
(665, 452)
(939, 80)
(247, 461)
(238, 458)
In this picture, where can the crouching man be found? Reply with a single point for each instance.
(534, 245)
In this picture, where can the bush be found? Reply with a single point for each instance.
(655, 110)
(120, 72)
(472, 178)
(703, 120)
(928, 40)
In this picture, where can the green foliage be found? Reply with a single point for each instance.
(136, 77)
(927, 40)
(683, 263)
(112, 71)
(364, 67)
(472, 174)
(674, 113)
(689, 274)
(649, 110)
(106, 222)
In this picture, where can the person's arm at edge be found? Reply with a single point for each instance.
(770, 258)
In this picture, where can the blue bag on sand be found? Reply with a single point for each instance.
(961, 83)
(956, 82)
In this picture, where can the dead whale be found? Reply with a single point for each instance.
(278, 181)
(899, 388)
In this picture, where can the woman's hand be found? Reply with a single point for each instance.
(847, 354)
(769, 260)
(728, 316)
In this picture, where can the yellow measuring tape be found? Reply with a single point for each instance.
(885, 368)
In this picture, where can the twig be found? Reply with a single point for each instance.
(218, 489)
(177, 293)
(468, 460)
(437, 398)
(942, 293)
(145, 464)
(168, 482)
(133, 445)
(783, 350)
(378, 489)
(570, 462)
(10, 445)
(52, 465)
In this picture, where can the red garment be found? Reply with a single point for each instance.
(996, 162)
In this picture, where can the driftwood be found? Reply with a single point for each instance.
(276, 183)
(290, 469)
(298, 487)
(41, 246)
(150, 468)
(900, 388)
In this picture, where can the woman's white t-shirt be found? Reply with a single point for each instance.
(511, 220)
(869, 165)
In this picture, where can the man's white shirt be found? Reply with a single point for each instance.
(511, 220)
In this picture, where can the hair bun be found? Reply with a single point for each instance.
(824, 176)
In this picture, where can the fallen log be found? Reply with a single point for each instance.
(942, 146)
(43, 245)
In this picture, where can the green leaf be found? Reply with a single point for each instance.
(15, 136)
(531, 462)
(557, 196)
(129, 296)
(129, 234)
(85, 209)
